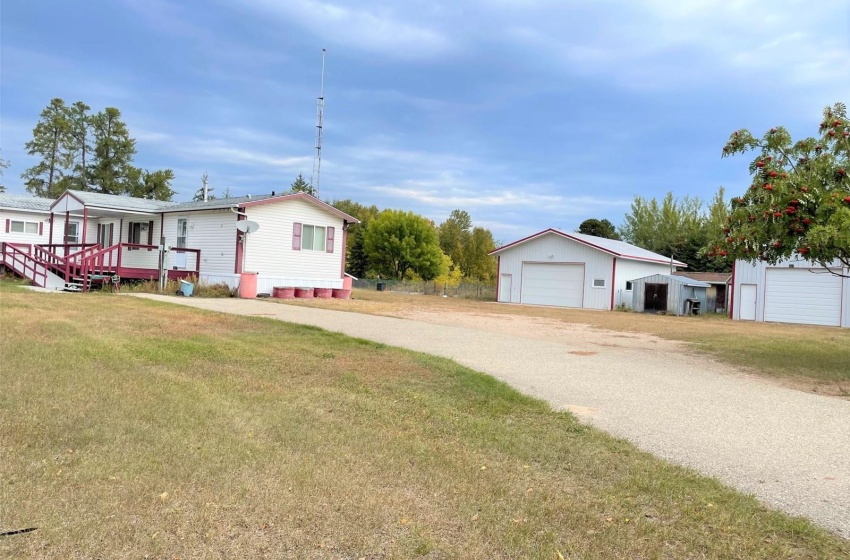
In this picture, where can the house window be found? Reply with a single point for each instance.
(313, 238)
(139, 233)
(598, 282)
(72, 234)
(628, 286)
(104, 234)
(23, 227)
(182, 231)
(134, 233)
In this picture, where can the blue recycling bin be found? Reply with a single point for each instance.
(186, 288)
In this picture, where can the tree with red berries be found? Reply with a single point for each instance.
(799, 199)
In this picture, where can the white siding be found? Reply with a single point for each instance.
(22, 216)
(211, 231)
(597, 265)
(629, 270)
(269, 250)
(757, 274)
(139, 258)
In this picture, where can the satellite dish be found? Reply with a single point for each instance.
(247, 226)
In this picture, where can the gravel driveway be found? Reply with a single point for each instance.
(789, 448)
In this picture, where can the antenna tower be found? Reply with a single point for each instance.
(315, 178)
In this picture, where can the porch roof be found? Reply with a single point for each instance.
(114, 202)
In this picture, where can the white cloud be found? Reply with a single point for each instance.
(652, 44)
(376, 29)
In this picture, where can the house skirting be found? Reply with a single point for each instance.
(265, 282)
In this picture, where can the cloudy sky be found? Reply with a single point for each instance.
(526, 113)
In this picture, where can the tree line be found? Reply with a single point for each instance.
(402, 245)
(85, 151)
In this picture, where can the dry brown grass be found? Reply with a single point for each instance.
(805, 357)
(133, 429)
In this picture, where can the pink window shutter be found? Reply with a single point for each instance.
(330, 244)
(296, 236)
(40, 228)
(111, 226)
(8, 225)
(150, 234)
(99, 240)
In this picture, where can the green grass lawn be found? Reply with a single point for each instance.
(133, 429)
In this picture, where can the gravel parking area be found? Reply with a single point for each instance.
(789, 448)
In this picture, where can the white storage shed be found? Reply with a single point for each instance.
(793, 291)
(562, 269)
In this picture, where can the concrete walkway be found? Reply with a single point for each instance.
(790, 449)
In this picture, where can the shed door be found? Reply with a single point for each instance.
(561, 285)
(795, 295)
(655, 297)
(505, 285)
(747, 305)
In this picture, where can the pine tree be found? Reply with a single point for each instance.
(153, 185)
(112, 171)
(79, 145)
(50, 137)
(300, 185)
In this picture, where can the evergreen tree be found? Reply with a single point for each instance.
(153, 185)
(79, 146)
(300, 185)
(50, 137)
(112, 171)
(599, 228)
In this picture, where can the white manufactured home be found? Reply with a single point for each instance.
(82, 236)
(792, 291)
(562, 269)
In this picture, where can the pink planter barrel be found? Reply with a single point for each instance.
(248, 285)
(341, 294)
(324, 293)
(283, 292)
(303, 293)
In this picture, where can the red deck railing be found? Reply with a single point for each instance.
(35, 261)
(24, 263)
(108, 262)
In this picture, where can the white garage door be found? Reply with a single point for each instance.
(553, 284)
(795, 295)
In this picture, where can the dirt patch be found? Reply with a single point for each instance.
(542, 328)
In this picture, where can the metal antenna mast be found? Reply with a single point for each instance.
(315, 178)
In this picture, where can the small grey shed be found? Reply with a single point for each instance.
(673, 295)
